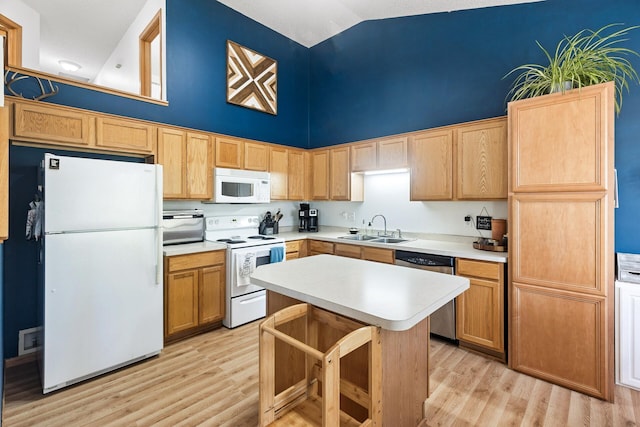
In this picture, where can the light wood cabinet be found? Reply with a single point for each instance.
(431, 161)
(317, 247)
(320, 170)
(482, 160)
(480, 309)
(386, 256)
(279, 160)
(194, 298)
(344, 185)
(4, 173)
(462, 162)
(296, 249)
(238, 153)
(364, 157)
(37, 122)
(392, 153)
(256, 156)
(199, 166)
(229, 153)
(347, 250)
(561, 249)
(298, 171)
(186, 159)
(389, 153)
(125, 135)
(80, 129)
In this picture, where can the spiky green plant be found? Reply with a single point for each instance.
(586, 58)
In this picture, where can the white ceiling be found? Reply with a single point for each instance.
(310, 22)
(83, 31)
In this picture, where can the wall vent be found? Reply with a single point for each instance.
(29, 340)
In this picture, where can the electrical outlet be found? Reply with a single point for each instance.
(468, 222)
(351, 216)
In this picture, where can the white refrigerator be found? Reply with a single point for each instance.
(101, 288)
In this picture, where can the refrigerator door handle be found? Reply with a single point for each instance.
(159, 207)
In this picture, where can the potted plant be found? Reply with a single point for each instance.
(586, 58)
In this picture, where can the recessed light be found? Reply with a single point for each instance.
(68, 65)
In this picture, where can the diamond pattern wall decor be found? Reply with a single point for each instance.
(251, 79)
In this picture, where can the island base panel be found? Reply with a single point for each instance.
(405, 365)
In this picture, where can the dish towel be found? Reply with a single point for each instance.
(246, 264)
(276, 254)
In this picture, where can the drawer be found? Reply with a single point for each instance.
(488, 270)
(293, 246)
(321, 247)
(346, 250)
(197, 260)
(379, 255)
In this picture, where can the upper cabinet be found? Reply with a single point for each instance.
(229, 153)
(482, 160)
(241, 154)
(388, 153)
(279, 160)
(331, 175)
(343, 185)
(575, 128)
(320, 174)
(72, 127)
(122, 134)
(431, 162)
(187, 160)
(256, 156)
(288, 173)
(298, 174)
(462, 162)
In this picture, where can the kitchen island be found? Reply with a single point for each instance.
(398, 300)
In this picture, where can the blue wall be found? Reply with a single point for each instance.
(398, 75)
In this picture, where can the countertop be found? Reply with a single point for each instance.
(191, 248)
(458, 249)
(392, 297)
(454, 248)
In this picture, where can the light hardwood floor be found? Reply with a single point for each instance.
(212, 380)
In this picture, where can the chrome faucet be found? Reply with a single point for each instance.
(385, 224)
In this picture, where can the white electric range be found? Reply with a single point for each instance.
(246, 251)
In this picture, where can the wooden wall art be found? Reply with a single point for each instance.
(251, 79)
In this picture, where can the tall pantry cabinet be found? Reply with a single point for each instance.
(561, 252)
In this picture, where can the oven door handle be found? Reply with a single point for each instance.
(251, 300)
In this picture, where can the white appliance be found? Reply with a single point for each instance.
(246, 251)
(101, 293)
(627, 309)
(241, 186)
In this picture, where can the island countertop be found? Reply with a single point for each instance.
(392, 297)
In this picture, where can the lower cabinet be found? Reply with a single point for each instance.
(317, 247)
(352, 251)
(296, 249)
(480, 309)
(194, 293)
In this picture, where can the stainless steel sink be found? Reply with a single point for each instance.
(359, 237)
(388, 240)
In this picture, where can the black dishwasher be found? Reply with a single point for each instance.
(443, 320)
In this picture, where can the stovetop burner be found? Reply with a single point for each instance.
(231, 241)
(261, 237)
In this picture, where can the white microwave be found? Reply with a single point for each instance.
(241, 186)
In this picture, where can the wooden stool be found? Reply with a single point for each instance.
(300, 404)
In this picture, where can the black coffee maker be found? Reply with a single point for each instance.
(307, 218)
